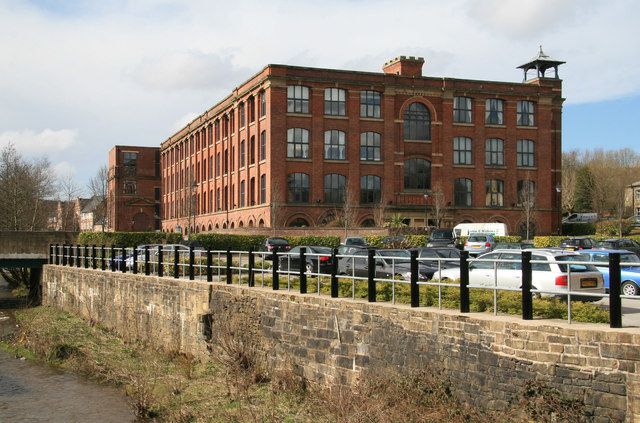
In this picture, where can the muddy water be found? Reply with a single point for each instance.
(32, 392)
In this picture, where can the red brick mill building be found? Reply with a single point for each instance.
(292, 145)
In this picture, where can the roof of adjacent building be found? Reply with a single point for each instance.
(91, 204)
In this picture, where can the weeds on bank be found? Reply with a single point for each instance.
(238, 384)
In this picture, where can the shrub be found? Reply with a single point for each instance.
(128, 239)
(235, 242)
(577, 229)
(611, 228)
(511, 238)
(322, 241)
(547, 241)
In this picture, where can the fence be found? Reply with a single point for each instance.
(391, 270)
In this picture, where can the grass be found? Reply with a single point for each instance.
(236, 385)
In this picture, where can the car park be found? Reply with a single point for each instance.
(552, 270)
(478, 244)
(629, 275)
(514, 246)
(619, 244)
(317, 259)
(577, 243)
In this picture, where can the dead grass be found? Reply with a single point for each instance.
(237, 385)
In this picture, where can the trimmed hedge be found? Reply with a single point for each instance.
(578, 229)
(128, 239)
(244, 242)
(322, 241)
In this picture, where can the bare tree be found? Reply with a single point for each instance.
(349, 210)
(68, 192)
(99, 188)
(380, 210)
(439, 203)
(527, 203)
(570, 166)
(24, 188)
(276, 206)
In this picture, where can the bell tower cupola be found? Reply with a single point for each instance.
(541, 63)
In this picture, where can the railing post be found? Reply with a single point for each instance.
(93, 256)
(134, 261)
(147, 268)
(209, 262)
(415, 293)
(160, 262)
(123, 260)
(51, 260)
(86, 256)
(275, 281)
(303, 270)
(191, 260)
(229, 263)
(176, 263)
(334, 273)
(252, 264)
(464, 281)
(70, 256)
(78, 255)
(615, 303)
(113, 258)
(527, 301)
(103, 257)
(371, 269)
(57, 256)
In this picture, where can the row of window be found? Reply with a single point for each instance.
(298, 189)
(335, 104)
(371, 149)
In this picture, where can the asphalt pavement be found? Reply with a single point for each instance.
(630, 311)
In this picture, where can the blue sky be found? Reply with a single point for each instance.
(78, 77)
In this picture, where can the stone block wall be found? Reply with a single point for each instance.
(488, 359)
(165, 312)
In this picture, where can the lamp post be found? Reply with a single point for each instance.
(426, 210)
(559, 206)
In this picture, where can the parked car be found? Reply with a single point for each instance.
(167, 252)
(316, 258)
(578, 243)
(514, 246)
(629, 276)
(619, 244)
(492, 228)
(393, 241)
(447, 257)
(275, 244)
(478, 244)
(581, 218)
(442, 237)
(355, 240)
(634, 221)
(390, 263)
(545, 276)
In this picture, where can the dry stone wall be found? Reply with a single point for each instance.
(487, 359)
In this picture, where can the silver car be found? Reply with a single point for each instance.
(479, 244)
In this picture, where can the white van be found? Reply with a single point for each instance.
(581, 218)
(495, 229)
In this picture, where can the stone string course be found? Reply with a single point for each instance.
(487, 359)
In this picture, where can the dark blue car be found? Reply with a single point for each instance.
(629, 275)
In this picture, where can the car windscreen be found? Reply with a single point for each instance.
(575, 267)
(277, 241)
(629, 258)
(442, 235)
(477, 238)
(400, 256)
(320, 250)
(607, 244)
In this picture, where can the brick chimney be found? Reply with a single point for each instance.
(404, 66)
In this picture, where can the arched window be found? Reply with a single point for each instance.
(242, 153)
(335, 102)
(494, 152)
(417, 174)
(370, 147)
(494, 193)
(298, 222)
(462, 190)
(417, 122)
(370, 189)
(526, 153)
(263, 146)
(334, 188)
(335, 145)
(298, 188)
(462, 154)
(298, 143)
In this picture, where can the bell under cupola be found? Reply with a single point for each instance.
(541, 63)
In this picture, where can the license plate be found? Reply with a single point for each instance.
(476, 246)
(588, 283)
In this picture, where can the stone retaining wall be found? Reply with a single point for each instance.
(488, 359)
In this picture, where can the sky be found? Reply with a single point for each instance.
(78, 77)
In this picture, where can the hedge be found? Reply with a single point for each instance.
(244, 242)
(128, 239)
(577, 229)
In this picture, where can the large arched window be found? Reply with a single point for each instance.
(494, 193)
(462, 190)
(417, 122)
(298, 143)
(298, 188)
(417, 174)
(370, 189)
(334, 188)
(526, 153)
(494, 152)
(335, 147)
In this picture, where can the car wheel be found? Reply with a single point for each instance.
(629, 288)
(309, 268)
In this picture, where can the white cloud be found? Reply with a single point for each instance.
(182, 122)
(39, 143)
(63, 170)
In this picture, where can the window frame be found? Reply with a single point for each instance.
(369, 151)
(297, 104)
(334, 188)
(370, 195)
(370, 104)
(462, 155)
(466, 194)
(525, 153)
(298, 194)
(494, 198)
(462, 114)
(412, 180)
(335, 145)
(335, 102)
(525, 116)
(417, 123)
(494, 156)
(298, 148)
(494, 111)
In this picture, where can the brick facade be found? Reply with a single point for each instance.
(204, 178)
(134, 188)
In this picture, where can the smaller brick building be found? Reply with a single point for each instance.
(134, 188)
